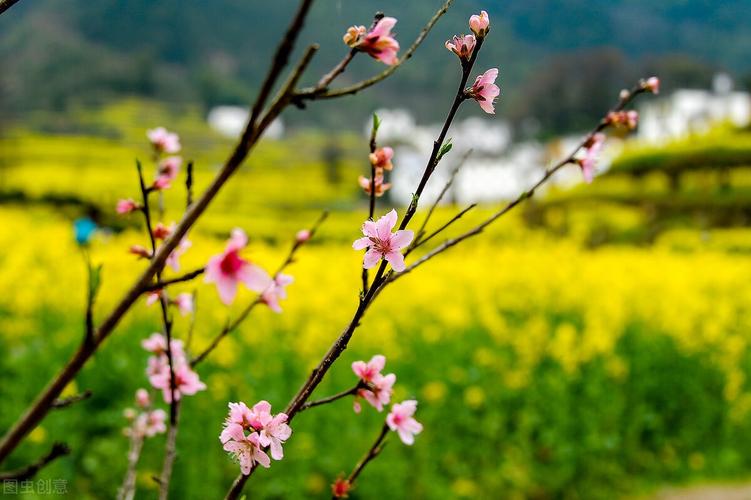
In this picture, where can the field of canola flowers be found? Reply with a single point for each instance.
(543, 369)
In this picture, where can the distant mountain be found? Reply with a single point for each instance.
(571, 54)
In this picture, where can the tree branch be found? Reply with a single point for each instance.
(159, 285)
(58, 450)
(7, 4)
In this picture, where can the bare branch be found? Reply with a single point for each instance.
(313, 94)
(159, 285)
(65, 402)
(58, 450)
(7, 4)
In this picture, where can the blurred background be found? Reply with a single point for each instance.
(593, 344)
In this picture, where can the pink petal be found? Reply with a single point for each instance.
(372, 257)
(396, 260)
(385, 224)
(227, 288)
(361, 243)
(254, 277)
(402, 238)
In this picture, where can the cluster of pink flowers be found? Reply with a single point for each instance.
(165, 142)
(590, 154)
(145, 422)
(248, 431)
(626, 119)
(378, 393)
(382, 243)
(379, 386)
(381, 160)
(379, 43)
(187, 381)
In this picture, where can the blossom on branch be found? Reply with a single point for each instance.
(168, 170)
(303, 235)
(462, 46)
(382, 243)
(400, 420)
(380, 186)
(341, 488)
(652, 84)
(381, 158)
(264, 430)
(184, 303)
(228, 269)
(485, 91)
(625, 119)
(276, 291)
(378, 43)
(590, 154)
(380, 387)
(127, 206)
(480, 24)
(187, 382)
(164, 141)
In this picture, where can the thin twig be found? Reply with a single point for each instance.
(159, 285)
(331, 399)
(128, 489)
(170, 450)
(58, 450)
(312, 94)
(623, 101)
(77, 398)
(7, 4)
(371, 206)
(372, 453)
(441, 229)
(421, 232)
(189, 185)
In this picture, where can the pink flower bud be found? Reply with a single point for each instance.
(163, 141)
(127, 206)
(653, 85)
(480, 24)
(140, 251)
(142, 398)
(380, 186)
(381, 158)
(624, 94)
(303, 235)
(378, 43)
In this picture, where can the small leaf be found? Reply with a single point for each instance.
(376, 123)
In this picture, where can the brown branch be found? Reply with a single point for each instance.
(371, 207)
(441, 229)
(128, 490)
(312, 94)
(179, 279)
(7, 4)
(420, 232)
(623, 101)
(372, 453)
(253, 131)
(331, 399)
(58, 450)
(69, 401)
(170, 450)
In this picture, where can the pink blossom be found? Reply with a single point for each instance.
(276, 291)
(127, 206)
(267, 430)
(246, 450)
(380, 394)
(480, 24)
(173, 259)
(187, 382)
(484, 90)
(400, 420)
(303, 235)
(382, 243)
(228, 269)
(161, 232)
(378, 43)
(653, 85)
(184, 303)
(152, 423)
(164, 141)
(380, 186)
(275, 432)
(156, 344)
(142, 398)
(381, 158)
(168, 170)
(590, 155)
(368, 371)
(152, 297)
(462, 46)
(140, 251)
(626, 119)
